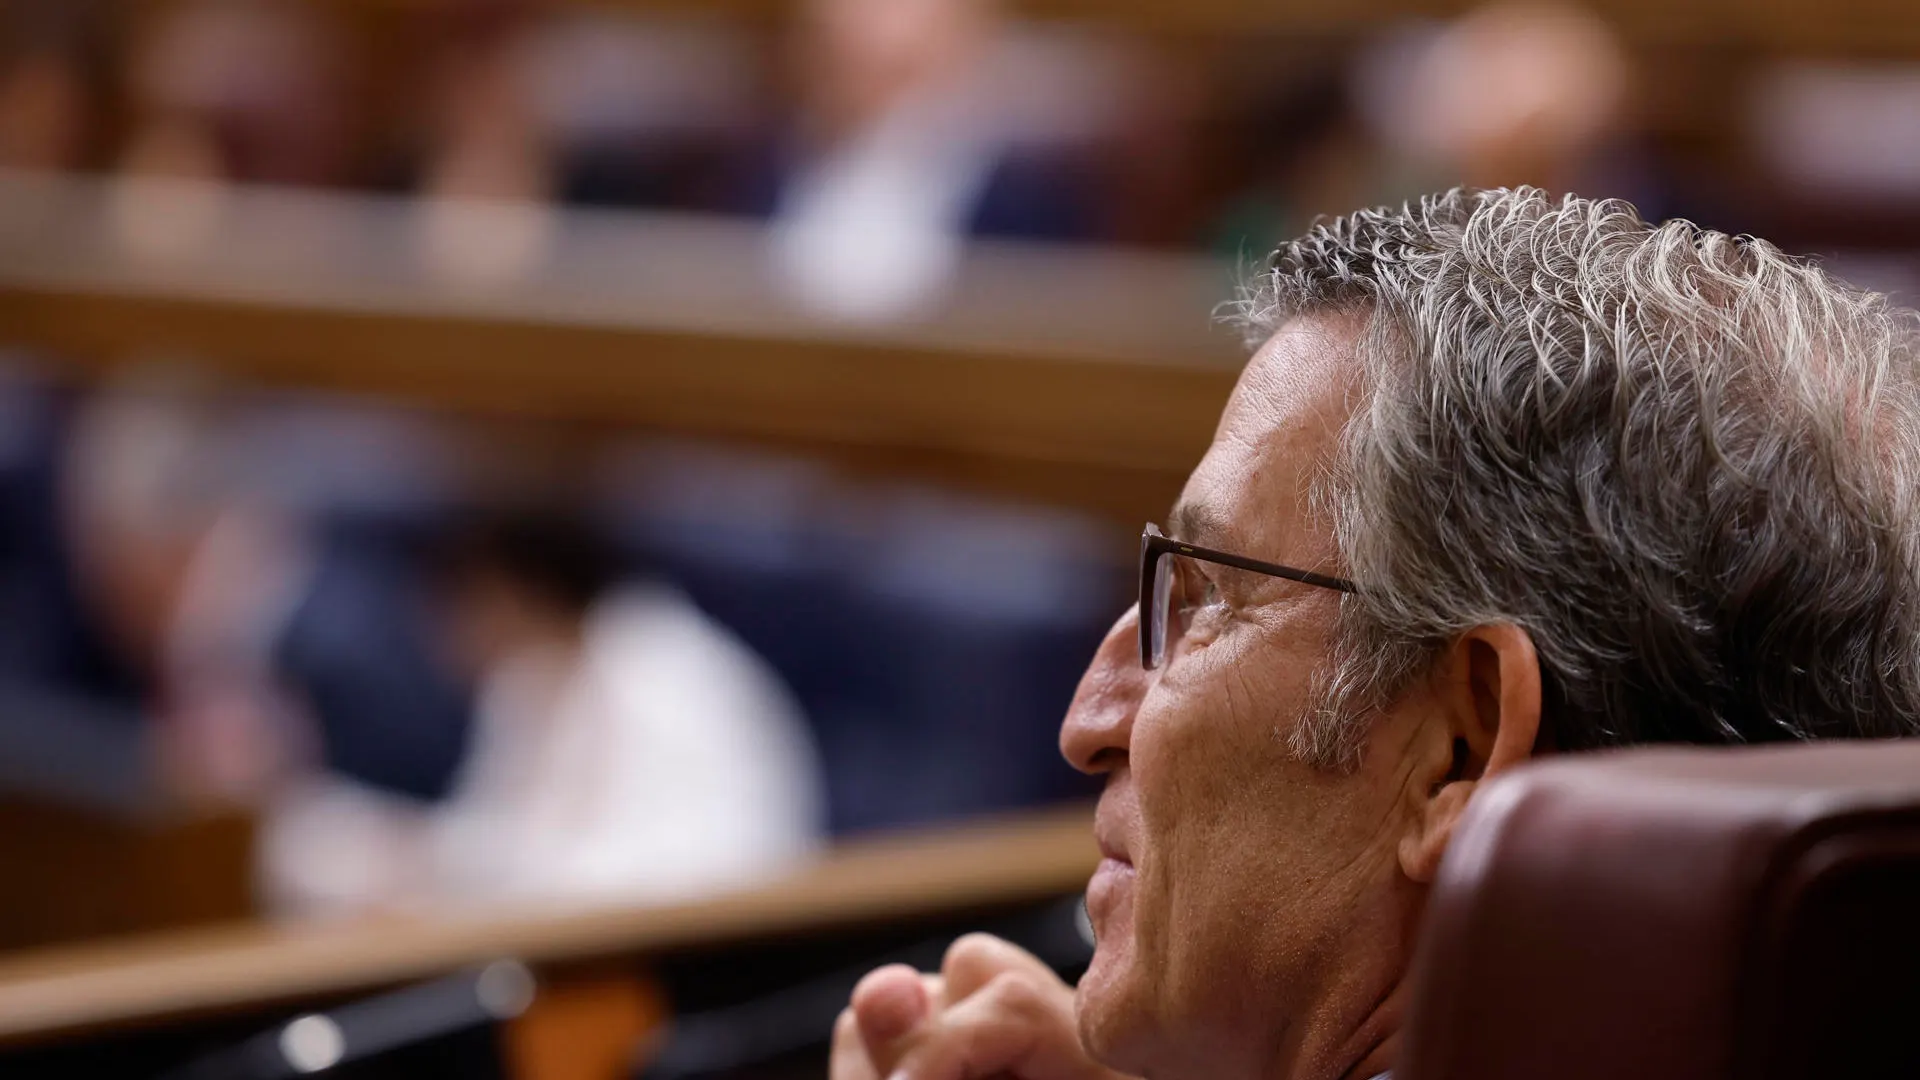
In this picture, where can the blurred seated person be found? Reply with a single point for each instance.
(626, 747)
(221, 93)
(901, 149)
(482, 163)
(49, 57)
(1306, 154)
(522, 108)
(72, 699)
(642, 110)
(171, 631)
(1537, 92)
(238, 91)
(930, 638)
(1506, 477)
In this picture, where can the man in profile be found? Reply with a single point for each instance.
(1506, 477)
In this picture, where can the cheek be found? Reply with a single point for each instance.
(1211, 733)
(1219, 795)
(1206, 745)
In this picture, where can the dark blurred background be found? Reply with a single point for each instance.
(492, 454)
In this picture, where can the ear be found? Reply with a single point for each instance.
(1486, 688)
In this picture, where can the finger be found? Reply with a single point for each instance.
(888, 1004)
(849, 1060)
(1013, 1024)
(976, 959)
(936, 992)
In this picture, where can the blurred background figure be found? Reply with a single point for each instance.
(520, 106)
(73, 720)
(187, 574)
(50, 58)
(245, 91)
(644, 111)
(171, 606)
(625, 747)
(930, 638)
(214, 603)
(1513, 93)
(224, 92)
(903, 145)
(117, 505)
(486, 163)
(1303, 149)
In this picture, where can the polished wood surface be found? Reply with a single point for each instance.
(75, 874)
(1870, 27)
(151, 979)
(1864, 27)
(1089, 377)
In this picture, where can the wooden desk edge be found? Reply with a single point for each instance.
(68, 991)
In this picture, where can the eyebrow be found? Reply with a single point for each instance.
(1197, 523)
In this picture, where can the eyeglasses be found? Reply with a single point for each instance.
(1159, 594)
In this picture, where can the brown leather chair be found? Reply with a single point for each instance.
(1679, 914)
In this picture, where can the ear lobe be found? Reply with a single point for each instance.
(1488, 689)
(1423, 846)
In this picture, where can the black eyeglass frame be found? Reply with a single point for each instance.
(1155, 544)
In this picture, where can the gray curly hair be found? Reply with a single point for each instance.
(1685, 463)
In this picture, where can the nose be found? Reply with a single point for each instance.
(1099, 726)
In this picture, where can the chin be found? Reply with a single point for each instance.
(1111, 1008)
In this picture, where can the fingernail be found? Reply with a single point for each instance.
(899, 1074)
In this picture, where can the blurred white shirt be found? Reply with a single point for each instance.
(658, 760)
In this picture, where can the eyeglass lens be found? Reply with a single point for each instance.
(1161, 611)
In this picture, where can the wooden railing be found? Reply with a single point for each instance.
(1090, 377)
(1862, 27)
(64, 993)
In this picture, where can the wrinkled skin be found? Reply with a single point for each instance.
(1254, 913)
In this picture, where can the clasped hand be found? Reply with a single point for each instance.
(995, 1010)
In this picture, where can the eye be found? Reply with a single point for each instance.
(1196, 590)
(1213, 603)
(1207, 610)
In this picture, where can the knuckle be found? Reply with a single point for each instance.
(1017, 992)
(878, 981)
(971, 954)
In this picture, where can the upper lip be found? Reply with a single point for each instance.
(1107, 833)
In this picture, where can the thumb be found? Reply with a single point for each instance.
(975, 960)
(1008, 1026)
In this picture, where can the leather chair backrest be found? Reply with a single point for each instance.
(1679, 914)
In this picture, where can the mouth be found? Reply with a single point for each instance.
(1110, 827)
(1109, 898)
(1109, 891)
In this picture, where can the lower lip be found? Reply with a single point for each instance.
(1111, 879)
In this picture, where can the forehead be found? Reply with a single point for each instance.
(1281, 424)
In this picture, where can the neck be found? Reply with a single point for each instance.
(1360, 1051)
(1359, 1038)
(1376, 1042)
